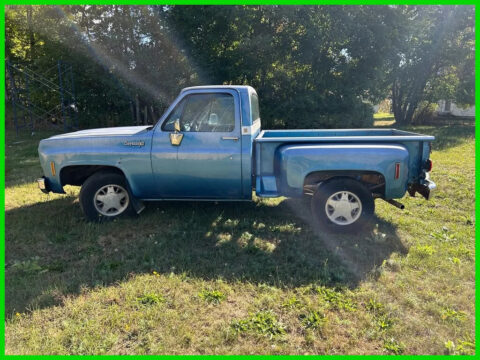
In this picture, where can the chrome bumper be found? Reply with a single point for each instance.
(426, 189)
(43, 185)
(432, 187)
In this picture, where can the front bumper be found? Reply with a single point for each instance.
(426, 189)
(43, 184)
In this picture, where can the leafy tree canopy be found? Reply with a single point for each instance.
(313, 66)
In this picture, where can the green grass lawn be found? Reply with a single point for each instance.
(241, 278)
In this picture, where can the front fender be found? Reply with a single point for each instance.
(293, 163)
(133, 161)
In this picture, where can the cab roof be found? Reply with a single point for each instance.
(233, 87)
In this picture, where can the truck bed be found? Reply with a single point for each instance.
(269, 144)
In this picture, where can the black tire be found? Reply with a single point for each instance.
(98, 181)
(343, 188)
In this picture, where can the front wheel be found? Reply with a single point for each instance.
(343, 205)
(105, 196)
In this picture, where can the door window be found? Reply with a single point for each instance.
(203, 113)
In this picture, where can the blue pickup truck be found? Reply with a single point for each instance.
(209, 145)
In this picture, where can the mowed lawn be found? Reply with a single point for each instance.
(241, 278)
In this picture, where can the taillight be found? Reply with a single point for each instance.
(397, 170)
(429, 165)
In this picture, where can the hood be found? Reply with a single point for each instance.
(105, 132)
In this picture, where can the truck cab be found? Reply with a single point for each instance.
(213, 157)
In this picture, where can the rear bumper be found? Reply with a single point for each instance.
(426, 189)
(43, 184)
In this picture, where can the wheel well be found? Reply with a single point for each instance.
(375, 181)
(77, 174)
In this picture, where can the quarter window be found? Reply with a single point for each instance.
(255, 108)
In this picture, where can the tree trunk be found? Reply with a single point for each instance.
(133, 112)
(31, 34)
(137, 108)
(152, 114)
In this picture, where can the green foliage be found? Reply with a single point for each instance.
(212, 296)
(375, 306)
(443, 235)
(263, 323)
(384, 322)
(313, 66)
(452, 315)
(434, 61)
(336, 299)
(314, 319)
(29, 266)
(461, 348)
(292, 302)
(393, 346)
(422, 251)
(151, 299)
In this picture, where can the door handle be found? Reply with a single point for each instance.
(234, 138)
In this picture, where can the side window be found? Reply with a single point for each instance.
(222, 113)
(204, 113)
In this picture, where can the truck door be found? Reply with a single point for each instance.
(208, 163)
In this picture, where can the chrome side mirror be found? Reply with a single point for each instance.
(176, 137)
(176, 125)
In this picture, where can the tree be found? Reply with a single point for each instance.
(312, 66)
(435, 60)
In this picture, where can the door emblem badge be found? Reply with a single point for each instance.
(134, 143)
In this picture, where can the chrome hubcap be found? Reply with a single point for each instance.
(343, 208)
(111, 200)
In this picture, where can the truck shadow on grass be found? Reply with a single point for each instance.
(52, 252)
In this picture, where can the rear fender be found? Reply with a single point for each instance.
(293, 163)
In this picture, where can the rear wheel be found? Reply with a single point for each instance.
(343, 205)
(105, 196)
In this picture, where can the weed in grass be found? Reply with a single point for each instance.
(422, 251)
(451, 315)
(151, 299)
(28, 267)
(462, 348)
(384, 322)
(449, 347)
(292, 303)
(375, 306)
(455, 260)
(212, 296)
(336, 299)
(393, 346)
(263, 323)
(443, 235)
(314, 319)
(461, 251)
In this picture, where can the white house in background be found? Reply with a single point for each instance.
(446, 107)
